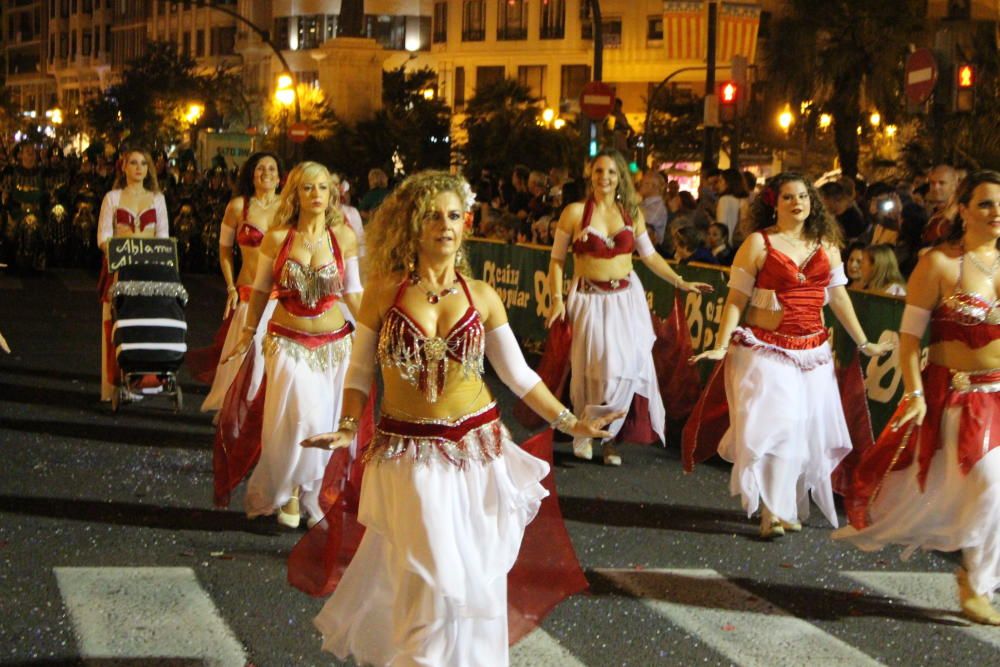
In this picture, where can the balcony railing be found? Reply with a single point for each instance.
(552, 32)
(473, 34)
(508, 33)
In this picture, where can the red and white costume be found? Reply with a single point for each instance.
(937, 485)
(115, 220)
(248, 238)
(612, 350)
(787, 430)
(445, 504)
(304, 383)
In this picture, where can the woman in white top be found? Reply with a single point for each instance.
(135, 207)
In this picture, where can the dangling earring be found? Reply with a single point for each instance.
(411, 265)
(459, 256)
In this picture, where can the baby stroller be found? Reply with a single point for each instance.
(148, 329)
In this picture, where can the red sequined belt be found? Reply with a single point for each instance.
(310, 340)
(474, 438)
(790, 342)
(603, 286)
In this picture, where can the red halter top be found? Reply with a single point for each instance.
(595, 244)
(800, 289)
(305, 291)
(966, 317)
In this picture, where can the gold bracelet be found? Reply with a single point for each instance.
(349, 424)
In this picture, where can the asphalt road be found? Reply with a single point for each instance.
(678, 575)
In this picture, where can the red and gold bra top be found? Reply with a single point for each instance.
(800, 289)
(966, 317)
(593, 243)
(305, 291)
(135, 223)
(422, 360)
(248, 236)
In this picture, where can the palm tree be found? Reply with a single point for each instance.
(845, 56)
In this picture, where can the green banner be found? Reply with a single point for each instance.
(518, 273)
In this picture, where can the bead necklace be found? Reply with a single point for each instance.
(432, 297)
(261, 204)
(312, 245)
(988, 271)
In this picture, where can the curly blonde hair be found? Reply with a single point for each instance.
(393, 237)
(287, 214)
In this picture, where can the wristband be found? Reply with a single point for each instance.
(564, 421)
(349, 424)
(231, 289)
(916, 393)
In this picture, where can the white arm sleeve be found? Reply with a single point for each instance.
(644, 245)
(361, 371)
(352, 276)
(226, 236)
(915, 320)
(264, 280)
(105, 221)
(162, 222)
(560, 244)
(741, 281)
(837, 277)
(505, 355)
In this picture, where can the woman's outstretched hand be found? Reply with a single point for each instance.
(557, 312)
(704, 288)
(329, 441)
(877, 349)
(714, 354)
(594, 428)
(241, 349)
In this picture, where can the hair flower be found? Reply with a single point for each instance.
(769, 196)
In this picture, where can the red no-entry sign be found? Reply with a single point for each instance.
(921, 75)
(597, 99)
(298, 132)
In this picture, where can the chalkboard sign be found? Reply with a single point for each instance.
(132, 251)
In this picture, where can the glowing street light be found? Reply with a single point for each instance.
(890, 130)
(825, 120)
(428, 93)
(548, 115)
(558, 123)
(284, 81)
(785, 118)
(285, 96)
(194, 112)
(875, 119)
(55, 116)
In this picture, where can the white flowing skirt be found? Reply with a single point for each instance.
(787, 431)
(300, 400)
(225, 373)
(955, 511)
(612, 355)
(428, 584)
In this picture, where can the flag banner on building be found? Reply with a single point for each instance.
(737, 34)
(684, 30)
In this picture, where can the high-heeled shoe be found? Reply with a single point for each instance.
(611, 455)
(791, 526)
(975, 607)
(584, 451)
(289, 514)
(770, 525)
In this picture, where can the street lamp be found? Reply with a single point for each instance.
(548, 116)
(194, 112)
(890, 130)
(285, 96)
(558, 123)
(825, 120)
(875, 119)
(785, 118)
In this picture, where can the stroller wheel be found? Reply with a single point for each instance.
(178, 398)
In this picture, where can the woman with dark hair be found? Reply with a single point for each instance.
(446, 495)
(308, 258)
(784, 272)
(246, 220)
(612, 349)
(732, 203)
(134, 207)
(852, 264)
(932, 481)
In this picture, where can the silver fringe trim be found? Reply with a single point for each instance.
(149, 288)
(480, 445)
(816, 357)
(319, 359)
(311, 284)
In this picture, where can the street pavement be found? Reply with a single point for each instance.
(112, 553)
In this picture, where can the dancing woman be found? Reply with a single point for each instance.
(309, 256)
(932, 481)
(612, 351)
(246, 221)
(785, 271)
(446, 494)
(134, 207)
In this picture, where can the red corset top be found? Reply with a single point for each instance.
(305, 291)
(595, 244)
(422, 360)
(249, 236)
(125, 218)
(967, 318)
(800, 289)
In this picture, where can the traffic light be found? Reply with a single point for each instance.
(729, 94)
(965, 87)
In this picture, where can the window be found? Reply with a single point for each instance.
(72, 45)
(107, 38)
(654, 28)
(959, 9)
(611, 32)
(440, 22)
(63, 45)
(553, 19)
(388, 31)
(310, 31)
(512, 19)
(309, 78)
(199, 43)
(88, 6)
(487, 76)
(281, 32)
(533, 78)
(573, 79)
(97, 40)
(764, 27)
(223, 41)
(459, 87)
(85, 43)
(52, 47)
(331, 26)
(186, 49)
(473, 20)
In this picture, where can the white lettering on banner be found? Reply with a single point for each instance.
(508, 275)
(695, 320)
(543, 301)
(886, 366)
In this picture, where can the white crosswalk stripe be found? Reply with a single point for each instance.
(934, 592)
(730, 619)
(146, 612)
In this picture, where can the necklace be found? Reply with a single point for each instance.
(311, 246)
(261, 204)
(988, 271)
(432, 297)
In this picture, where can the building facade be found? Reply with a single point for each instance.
(30, 87)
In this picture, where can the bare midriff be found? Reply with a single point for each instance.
(602, 269)
(960, 357)
(460, 396)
